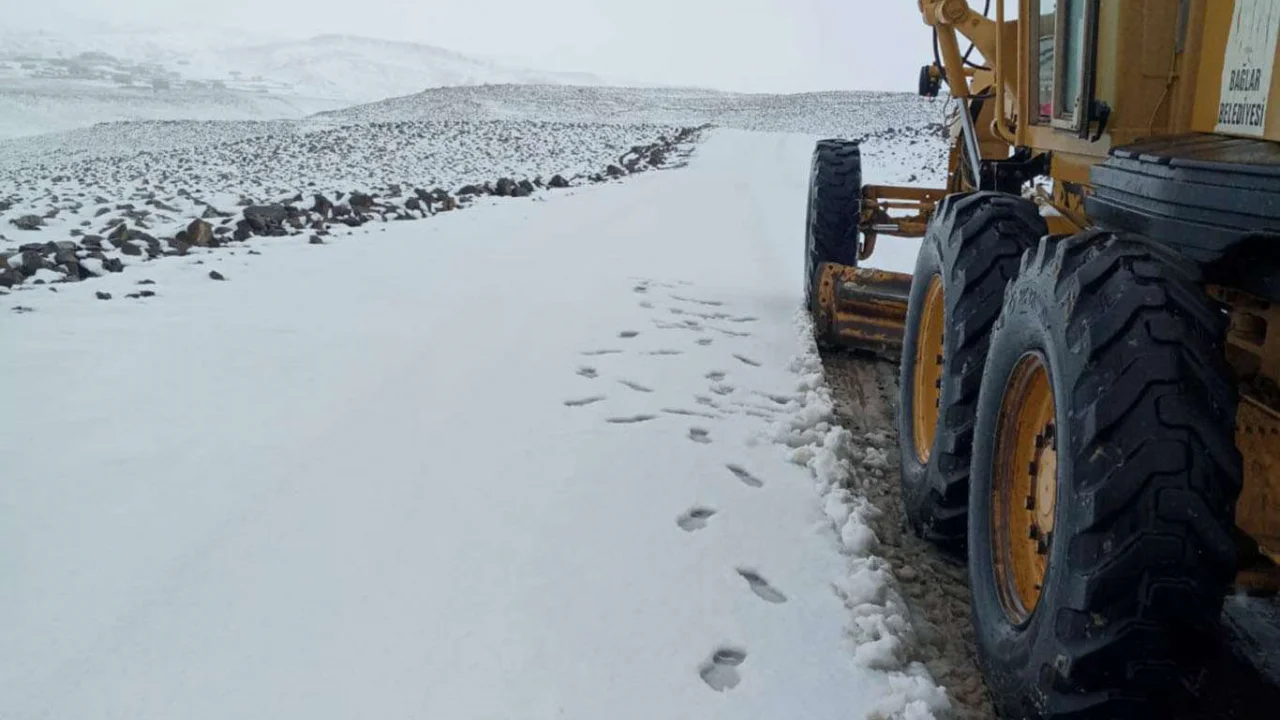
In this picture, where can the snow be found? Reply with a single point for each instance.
(569, 456)
(74, 76)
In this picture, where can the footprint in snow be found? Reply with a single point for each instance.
(722, 389)
(584, 401)
(720, 673)
(587, 372)
(761, 587)
(712, 303)
(690, 413)
(746, 360)
(704, 341)
(646, 304)
(716, 375)
(636, 386)
(695, 518)
(746, 477)
(700, 435)
(665, 351)
(630, 419)
(596, 353)
(731, 333)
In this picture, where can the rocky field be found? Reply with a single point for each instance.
(77, 205)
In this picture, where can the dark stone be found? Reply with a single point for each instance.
(103, 295)
(266, 219)
(113, 265)
(215, 275)
(413, 204)
(504, 187)
(614, 171)
(558, 181)
(361, 201)
(129, 248)
(28, 222)
(315, 240)
(470, 190)
(322, 206)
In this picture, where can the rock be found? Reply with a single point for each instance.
(266, 219)
(422, 195)
(360, 201)
(558, 181)
(76, 232)
(146, 282)
(322, 206)
(215, 275)
(449, 203)
(10, 277)
(315, 240)
(614, 171)
(394, 190)
(129, 248)
(470, 190)
(112, 265)
(211, 212)
(200, 233)
(341, 211)
(439, 194)
(527, 187)
(28, 222)
(103, 295)
(504, 187)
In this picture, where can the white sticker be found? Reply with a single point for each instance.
(1246, 72)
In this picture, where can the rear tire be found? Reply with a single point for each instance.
(1140, 552)
(973, 247)
(834, 210)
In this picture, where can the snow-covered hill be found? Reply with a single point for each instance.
(51, 81)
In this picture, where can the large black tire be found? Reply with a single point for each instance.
(834, 207)
(974, 244)
(1141, 551)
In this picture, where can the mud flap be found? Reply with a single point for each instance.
(861, 309)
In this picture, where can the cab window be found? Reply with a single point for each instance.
(1058, 30)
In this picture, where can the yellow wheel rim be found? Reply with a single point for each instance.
(1024, 487)
(927, 384)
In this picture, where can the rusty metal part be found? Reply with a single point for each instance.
(861, 308)
(926, 389)
(1024, 487)
(1258, 510)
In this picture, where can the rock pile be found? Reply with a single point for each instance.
(90, 254)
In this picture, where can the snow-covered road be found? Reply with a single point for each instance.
(514, 462)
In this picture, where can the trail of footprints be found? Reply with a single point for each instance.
(721, 669)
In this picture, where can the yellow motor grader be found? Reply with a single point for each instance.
(1089, 409)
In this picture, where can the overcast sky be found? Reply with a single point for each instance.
(749, 45)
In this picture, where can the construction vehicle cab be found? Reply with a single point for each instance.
(1090, 340)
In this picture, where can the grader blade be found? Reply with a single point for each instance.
(861, 309)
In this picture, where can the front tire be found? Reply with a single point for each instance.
(1101, 503)
(833, 212)
(968, 256)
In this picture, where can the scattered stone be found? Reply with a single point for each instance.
(315, 240)
(558, 181)
(103, 295)
(199, 233)
(28, 222)
(215, 275)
